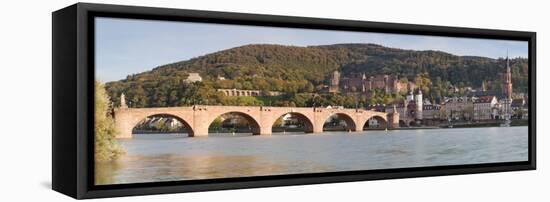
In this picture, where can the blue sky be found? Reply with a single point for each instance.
(127, 46)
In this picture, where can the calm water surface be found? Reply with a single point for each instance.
(169, 157)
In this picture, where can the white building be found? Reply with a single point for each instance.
(431, 111)
(483, 107)
(373, 123)
(419, 103)
(506, 108)
(193, 77)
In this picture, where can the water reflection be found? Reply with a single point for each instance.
(162, 157)
(169, 167)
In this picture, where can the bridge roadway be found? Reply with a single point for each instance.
(197, 119)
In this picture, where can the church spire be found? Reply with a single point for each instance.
(507, 63)
(507, 81)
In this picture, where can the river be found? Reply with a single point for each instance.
(172, 157)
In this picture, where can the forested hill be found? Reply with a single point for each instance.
(295, 69)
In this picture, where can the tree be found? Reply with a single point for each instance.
(217, 123)
(423, 82)
(106, 147)
(278, 122)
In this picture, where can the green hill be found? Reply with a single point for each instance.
(299, 70)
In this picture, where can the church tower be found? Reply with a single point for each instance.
(507, 81)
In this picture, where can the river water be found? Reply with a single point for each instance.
(172, 157)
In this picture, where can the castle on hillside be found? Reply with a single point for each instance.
(367, 84)
(334, 84)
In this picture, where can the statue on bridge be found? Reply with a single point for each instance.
(123, 101)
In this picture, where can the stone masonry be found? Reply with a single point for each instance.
(198, 118)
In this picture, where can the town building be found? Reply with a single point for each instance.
(193, 77)
(505, 108)
(459, 108)
(173, 123)
(496, 111)
(431, 111)
(239, 92)
(334, 107)
(484, 108)
(519, 109)
(377, 107)
(432, 114)
(373, 123)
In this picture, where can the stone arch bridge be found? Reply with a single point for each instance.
(197, 119)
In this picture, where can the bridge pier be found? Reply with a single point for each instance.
(318, 129)
(265, 130)
(358, 128)
(392, 120)
(200, 132)
(124, 123)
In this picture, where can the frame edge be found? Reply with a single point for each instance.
(84, 191)
(64, 146)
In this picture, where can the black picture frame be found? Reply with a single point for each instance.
(72, 100)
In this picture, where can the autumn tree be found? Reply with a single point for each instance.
(106, 146)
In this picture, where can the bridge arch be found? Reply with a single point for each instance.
(307, 122)
(351, 124)
(140, 119)
(251, 120)
(375, 122)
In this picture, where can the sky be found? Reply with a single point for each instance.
(129, 46)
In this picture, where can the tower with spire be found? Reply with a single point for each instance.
(507, 80)
(506, 102)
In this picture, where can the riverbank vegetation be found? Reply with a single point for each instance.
(106, 147)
